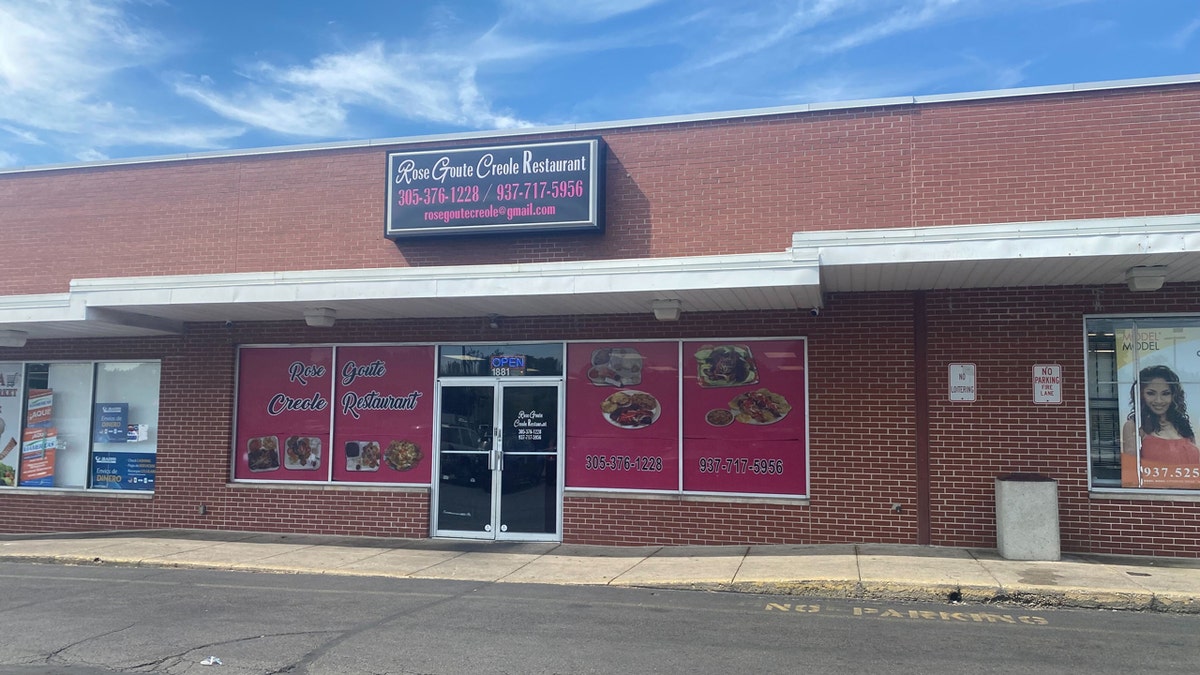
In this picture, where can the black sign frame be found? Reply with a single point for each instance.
(551, 186)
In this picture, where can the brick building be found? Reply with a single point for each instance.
(809, 324)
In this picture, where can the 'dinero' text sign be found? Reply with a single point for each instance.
(539, 186)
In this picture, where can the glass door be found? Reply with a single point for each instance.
(498, 461)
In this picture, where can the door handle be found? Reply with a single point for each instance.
(499, 458)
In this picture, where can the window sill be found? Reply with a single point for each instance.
(76, 492)
(584, 493)
(328, 487)
(1146, 495)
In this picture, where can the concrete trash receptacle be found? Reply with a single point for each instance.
(1027, 517)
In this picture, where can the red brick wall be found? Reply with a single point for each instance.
(731, 186)
(861, 408)
(724, 186)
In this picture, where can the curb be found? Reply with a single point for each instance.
(1027, 596)
(942, 593)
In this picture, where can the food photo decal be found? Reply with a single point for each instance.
(761, 406)
(615, 367)
(630, 409)
(725, 366)
(363, 456)
(262, 453)
(302, 452)
(402, 455)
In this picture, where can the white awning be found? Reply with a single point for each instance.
(1059, 253)
(132, 306)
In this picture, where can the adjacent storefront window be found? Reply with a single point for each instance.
(1142, 373)
(79, 425)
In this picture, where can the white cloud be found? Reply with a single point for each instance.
(318, 99)
(576, 11)
(8, 160)
(59, 63)
(90, 155)
(909, 16)
(1180, 39)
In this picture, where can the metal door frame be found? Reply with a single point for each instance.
(499, 384)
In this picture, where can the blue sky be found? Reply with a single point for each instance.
(89, 80)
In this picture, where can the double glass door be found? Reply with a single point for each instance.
(498, 460)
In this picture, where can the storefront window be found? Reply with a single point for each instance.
(124, 426)
(711, 417)
(1141, 375)
(715, 417)
(80, 425)
(359, 414)
(501, 360)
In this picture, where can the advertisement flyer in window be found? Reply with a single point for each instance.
(38, 449)
(383, 413)
(283, 413)
(623, 415)
(1158, 375)
(744, 425)
(110, 423)
(11, 389)
(123, 470)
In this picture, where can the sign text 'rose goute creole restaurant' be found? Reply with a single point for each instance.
(539, 186)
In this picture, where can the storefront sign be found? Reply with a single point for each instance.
(534, 187)
(508, 366)
(1047, 383)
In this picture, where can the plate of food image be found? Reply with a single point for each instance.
(302, 452)
(262, 453)
(615, 367)
(719, 417)
(630, 409)
(363, 456)
(759, 407)
(402, 455)
(725, 366)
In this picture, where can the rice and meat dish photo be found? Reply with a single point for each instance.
(363, 456)
(761, 406)
(630, 409)
(725, 366)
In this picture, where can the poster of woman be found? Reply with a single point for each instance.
(1159, 367)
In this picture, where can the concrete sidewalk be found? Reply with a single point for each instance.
(875, 571)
